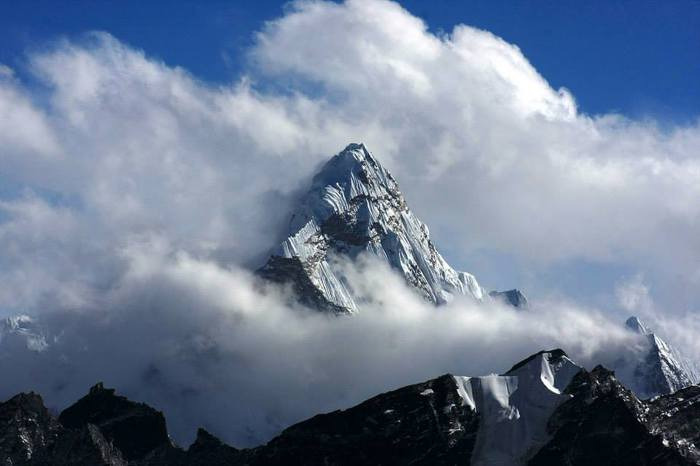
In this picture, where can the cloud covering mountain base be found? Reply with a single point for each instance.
(213, 346)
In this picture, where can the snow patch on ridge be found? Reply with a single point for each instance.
(514, 408)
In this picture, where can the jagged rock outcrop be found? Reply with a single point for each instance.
(355, 206)
(100, 429)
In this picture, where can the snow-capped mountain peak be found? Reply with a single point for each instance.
(663, 368)
(355, 206)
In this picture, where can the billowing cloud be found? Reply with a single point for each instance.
(142, 195)
(519, 169)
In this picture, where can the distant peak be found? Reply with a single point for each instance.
(512, 297)
(636, 325)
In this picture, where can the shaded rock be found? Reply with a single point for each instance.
(135, 428)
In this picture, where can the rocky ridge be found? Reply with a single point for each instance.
(546, 410)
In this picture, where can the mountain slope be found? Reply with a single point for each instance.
(355, 206)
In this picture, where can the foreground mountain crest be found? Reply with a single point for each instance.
(545, 411)
(355, 206)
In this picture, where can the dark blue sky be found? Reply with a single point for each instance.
(640, 58)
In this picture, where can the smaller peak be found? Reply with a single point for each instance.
(29, 400)
(204, 439)
(637, 326)
(512, 297)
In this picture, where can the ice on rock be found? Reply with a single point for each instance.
(355, 206)
(514, 408)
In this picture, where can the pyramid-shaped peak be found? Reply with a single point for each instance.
(636, 325)
(354, 206)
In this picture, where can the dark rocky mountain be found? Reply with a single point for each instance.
(546, 410)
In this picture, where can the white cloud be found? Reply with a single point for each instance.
(633, 295)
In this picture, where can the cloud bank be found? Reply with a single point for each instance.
(138, 196)
(210, 347)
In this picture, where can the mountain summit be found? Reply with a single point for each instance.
(355, 206)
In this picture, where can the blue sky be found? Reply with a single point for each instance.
(638, 58)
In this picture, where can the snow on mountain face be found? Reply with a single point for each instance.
(355, 206)
(663, 370)
(514, 408)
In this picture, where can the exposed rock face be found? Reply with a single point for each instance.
(355, 206)
(426, 423)
(663, 370)
(26, 429)
(86, 445)
(134, 428)
(605, 424)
